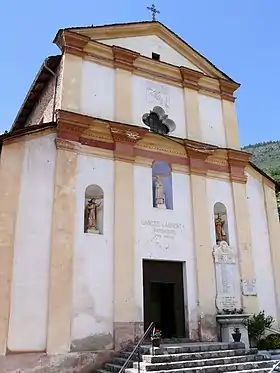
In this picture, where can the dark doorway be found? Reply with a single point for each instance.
(164, 297)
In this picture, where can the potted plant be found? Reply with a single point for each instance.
(236, 335)
(156, 337)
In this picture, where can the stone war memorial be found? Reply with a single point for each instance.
(126, 199)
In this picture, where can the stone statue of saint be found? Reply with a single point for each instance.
(159, 193)
(220, 233)
(91, 214)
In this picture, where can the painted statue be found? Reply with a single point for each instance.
(91, 214)
(220, 233)
(159, 193)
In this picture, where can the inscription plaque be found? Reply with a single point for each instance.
(227, 279)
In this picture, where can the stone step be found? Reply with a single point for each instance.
(218, 368)
(121, 361)
(157, 367)
(166, 349)
(197, 355)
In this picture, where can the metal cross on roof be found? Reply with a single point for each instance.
(154, 11)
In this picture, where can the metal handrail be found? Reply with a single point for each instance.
(136, 348)
(274, 366)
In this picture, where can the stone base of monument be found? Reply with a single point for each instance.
(93, 230)
(229, 322)
(161, 206)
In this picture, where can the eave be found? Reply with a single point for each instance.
(35, 91)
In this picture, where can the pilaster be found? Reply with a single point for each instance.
(238, 162)
(10, 181)
(123, 63)
(62, 249)
(72, 82)
(190, 79)
(274, 238)
(203, 246)
(229, 113)
(126, 328)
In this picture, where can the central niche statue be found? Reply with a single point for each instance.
(91, 216)
(220, 233)
(159, 194)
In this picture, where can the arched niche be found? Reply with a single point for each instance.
(221, 222)
(94, 209)
(162, 185)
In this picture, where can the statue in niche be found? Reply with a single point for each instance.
(220, 233)
(159, 193)
(91, 216)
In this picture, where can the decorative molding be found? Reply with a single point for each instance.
(124, 58)
(71, 146)
(238, 160)
(136, 144)
(152, 28)
(227, 89)
(190, 78)
(72, 42)
(118, 57)
(125, 140)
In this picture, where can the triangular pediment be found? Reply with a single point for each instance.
(144, 36)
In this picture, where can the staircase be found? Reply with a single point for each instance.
(193, 358)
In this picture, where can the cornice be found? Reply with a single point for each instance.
(124, 58)
(238, 161)
(190, 78)
(118, 57)
(227, 89)
(130, 143)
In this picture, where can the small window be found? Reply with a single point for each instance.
(155, 56)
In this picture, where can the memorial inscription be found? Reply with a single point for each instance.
(227, 279)
(162, 233)
(249, 287)
(157, 94)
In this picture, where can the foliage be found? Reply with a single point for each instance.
(266, 155)
(270, 342)
(231, 312)
(257, 324)
(156, 334)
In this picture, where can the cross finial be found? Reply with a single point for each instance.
(154, 11)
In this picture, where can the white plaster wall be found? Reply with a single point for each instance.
(98, 90)
(178, 248)
(92, 313)
(211, 120)
(148, 93)
(146, 45)
(30, 281)
(261, 247)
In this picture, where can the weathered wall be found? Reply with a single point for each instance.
(31, 263)
(43, 111)
(261, 247)
(92, 313)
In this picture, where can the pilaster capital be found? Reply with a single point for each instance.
(124, 58)
(238, 161)
(67, 145)
(190, 78)
(198, 154)
(125, 138)
(71, 42)
(227, 89)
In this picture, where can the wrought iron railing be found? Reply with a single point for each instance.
(137, 349)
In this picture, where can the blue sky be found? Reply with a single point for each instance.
(241, 37)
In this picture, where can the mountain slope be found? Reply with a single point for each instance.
(266, 155)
